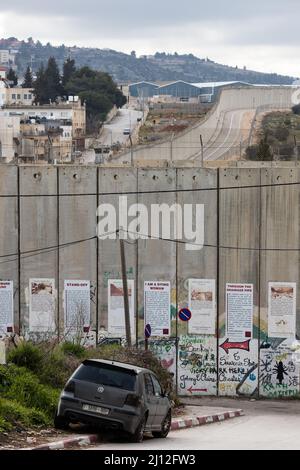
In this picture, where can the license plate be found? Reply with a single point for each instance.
(96, 409)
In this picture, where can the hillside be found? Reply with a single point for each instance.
(129, 68)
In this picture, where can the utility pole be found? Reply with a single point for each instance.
(125, 293)
(171, 147)
(296, 148)
(202, 150)
(131, 150)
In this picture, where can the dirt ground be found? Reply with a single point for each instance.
(21, 438)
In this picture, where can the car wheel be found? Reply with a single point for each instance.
(138, 435)
(60, 422)
(165, 427)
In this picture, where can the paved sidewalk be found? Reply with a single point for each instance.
(194, 416)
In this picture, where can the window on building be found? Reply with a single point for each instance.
(25, 97)
(29, 96)
(18, 97)
(13, 96)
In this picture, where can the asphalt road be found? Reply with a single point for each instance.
(113, 132)
(228, 137)
(267, 425)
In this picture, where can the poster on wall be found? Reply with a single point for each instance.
(116, 315)
(6, 307)
(202, 304)
(77, 306)
(2, 353)
(239, 311)
(282, 310)
(157, 307)
(42, 305)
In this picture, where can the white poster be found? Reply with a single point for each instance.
(239, 311)
(6, 307)
(42, 305)
(282, 310)
(202, 304)
(77, 306)
(157, 307)
(2, 353)
(116, 314)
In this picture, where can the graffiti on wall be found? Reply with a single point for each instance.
(238, 363)
(197, 365)
(279, 373)
(165, 351)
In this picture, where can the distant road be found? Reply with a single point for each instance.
(113, 132)
(223, 129)
(235, 129)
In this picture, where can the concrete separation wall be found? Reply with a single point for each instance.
(251, 236)
(186, 145)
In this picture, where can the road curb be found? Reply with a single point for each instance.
(189, 422)
(177, 423)
(83, 440)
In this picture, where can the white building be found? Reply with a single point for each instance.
(9, 135)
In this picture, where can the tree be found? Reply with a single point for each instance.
(12, 77)
(264, 152)
(69, 70)
(39, 86)
(28, 80)
(53, 81)
(99, 92)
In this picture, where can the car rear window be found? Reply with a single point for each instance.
(107, 375)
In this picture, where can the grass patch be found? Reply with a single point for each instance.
(13, 414)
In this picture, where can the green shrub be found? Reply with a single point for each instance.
(12, 414)
(23, 386)
(57, 367)
(26, 355)
(73, 349)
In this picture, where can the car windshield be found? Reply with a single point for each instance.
(106, 375)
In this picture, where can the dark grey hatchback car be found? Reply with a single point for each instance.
(116, 396)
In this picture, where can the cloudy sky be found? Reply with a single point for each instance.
(261, 34)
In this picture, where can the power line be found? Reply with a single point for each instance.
(46, 250)
(224, 247)
(158, 191)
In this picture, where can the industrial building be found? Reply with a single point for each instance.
(143, 89)
(182, 91)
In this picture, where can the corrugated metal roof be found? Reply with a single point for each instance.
(218, 84)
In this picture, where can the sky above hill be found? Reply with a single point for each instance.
(261, 34)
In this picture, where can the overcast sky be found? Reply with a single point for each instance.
(261, 34)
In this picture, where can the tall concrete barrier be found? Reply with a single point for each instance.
(251, 238)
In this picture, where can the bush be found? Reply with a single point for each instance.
(13, 414)
(57, 367)
(282, 134)
(73, 349)
(23, 386)
(26, 355)
(251, 152)
(296, 109)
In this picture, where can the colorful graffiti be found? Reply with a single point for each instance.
(165, 351)
(279, 373)
(197, 365)
(238, 373)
